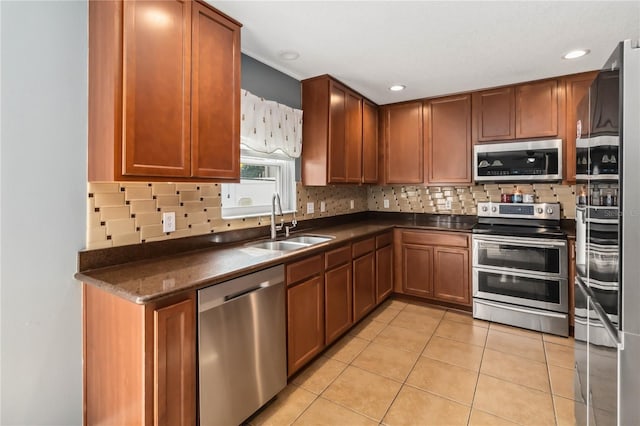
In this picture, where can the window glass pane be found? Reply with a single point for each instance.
(260, 177)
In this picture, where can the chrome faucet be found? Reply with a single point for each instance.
(275, 228)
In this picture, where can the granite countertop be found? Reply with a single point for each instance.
(149, 280)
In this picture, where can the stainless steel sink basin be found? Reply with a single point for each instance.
(278, 245)
(292, 243)
(309, 239)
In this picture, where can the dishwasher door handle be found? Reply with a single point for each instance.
(232, 296)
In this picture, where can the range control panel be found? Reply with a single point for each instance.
(547, 211)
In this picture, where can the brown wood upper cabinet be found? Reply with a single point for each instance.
(369, 142)
(339, 133)
(402, 135)
(447, 128)
(576, 87)
(164, 91)
(529, 110)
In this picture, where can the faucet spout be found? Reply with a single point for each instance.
(275, 228)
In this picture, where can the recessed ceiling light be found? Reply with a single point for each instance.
(574, 54)
(289, 55)
(397, 87)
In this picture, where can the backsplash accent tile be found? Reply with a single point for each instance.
(122, 213)
(464, 199)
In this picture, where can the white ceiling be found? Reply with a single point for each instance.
(432, 47)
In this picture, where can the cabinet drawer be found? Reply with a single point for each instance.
(435, 239)
(337, 257)
(384, 240)
(363, 247)
(303, 269)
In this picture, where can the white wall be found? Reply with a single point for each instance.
(42, 223)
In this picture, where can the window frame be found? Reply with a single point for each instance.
(285, 185)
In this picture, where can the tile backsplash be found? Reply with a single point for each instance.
(464, 199)
(121, 213)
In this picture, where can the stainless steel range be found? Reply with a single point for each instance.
(520, 266)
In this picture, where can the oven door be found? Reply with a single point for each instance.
(535, 290)
(515, 255)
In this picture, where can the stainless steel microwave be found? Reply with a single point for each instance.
(537, 160)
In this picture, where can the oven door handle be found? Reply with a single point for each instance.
(525, 242)
(522, 310)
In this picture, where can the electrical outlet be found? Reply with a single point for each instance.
(168, 221)
(323, 207)
(447, 204)
(386, 203)
(352, 204)
(309, 208)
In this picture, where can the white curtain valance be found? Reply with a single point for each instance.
(267, 126)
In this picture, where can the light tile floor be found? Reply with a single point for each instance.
(416, 364)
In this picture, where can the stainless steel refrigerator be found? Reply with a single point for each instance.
(607, 287)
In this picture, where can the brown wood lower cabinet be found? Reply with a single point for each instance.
(364, 278)
(451, 275)
(417, 270)
(434, 265)
(338, 293)
(139, 360)
(384, 266)
(305, 312)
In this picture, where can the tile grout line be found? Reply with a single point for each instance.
(475, 388)
(553, 402)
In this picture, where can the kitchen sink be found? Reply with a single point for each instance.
(292, 243)
(309, 239)
(278, 245)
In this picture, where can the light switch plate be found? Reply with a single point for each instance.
(309, 208)
(323, 207)
(352, 204)
(447, 204)
(168, 221)
(386, 203)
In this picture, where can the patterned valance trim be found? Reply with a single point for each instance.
(267, 126)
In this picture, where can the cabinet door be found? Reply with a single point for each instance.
(537, 109)
(577, 87)
(157, 81)
(215, 115)
(451, 275)
(448, 140)
(337, 131)
(305, 319)
(353, 137)
(384, 273)
(495, 116)
(338, 307)
(417, 270)
(174, 379)
(364, 285)
(403, 150)
(369, 142)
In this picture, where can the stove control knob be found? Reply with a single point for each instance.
(485, 208)
(494, 209)
(549, 210)
(539, 210)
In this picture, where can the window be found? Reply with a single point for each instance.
(260, 176)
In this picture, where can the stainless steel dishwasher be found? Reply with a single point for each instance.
(241, 346)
